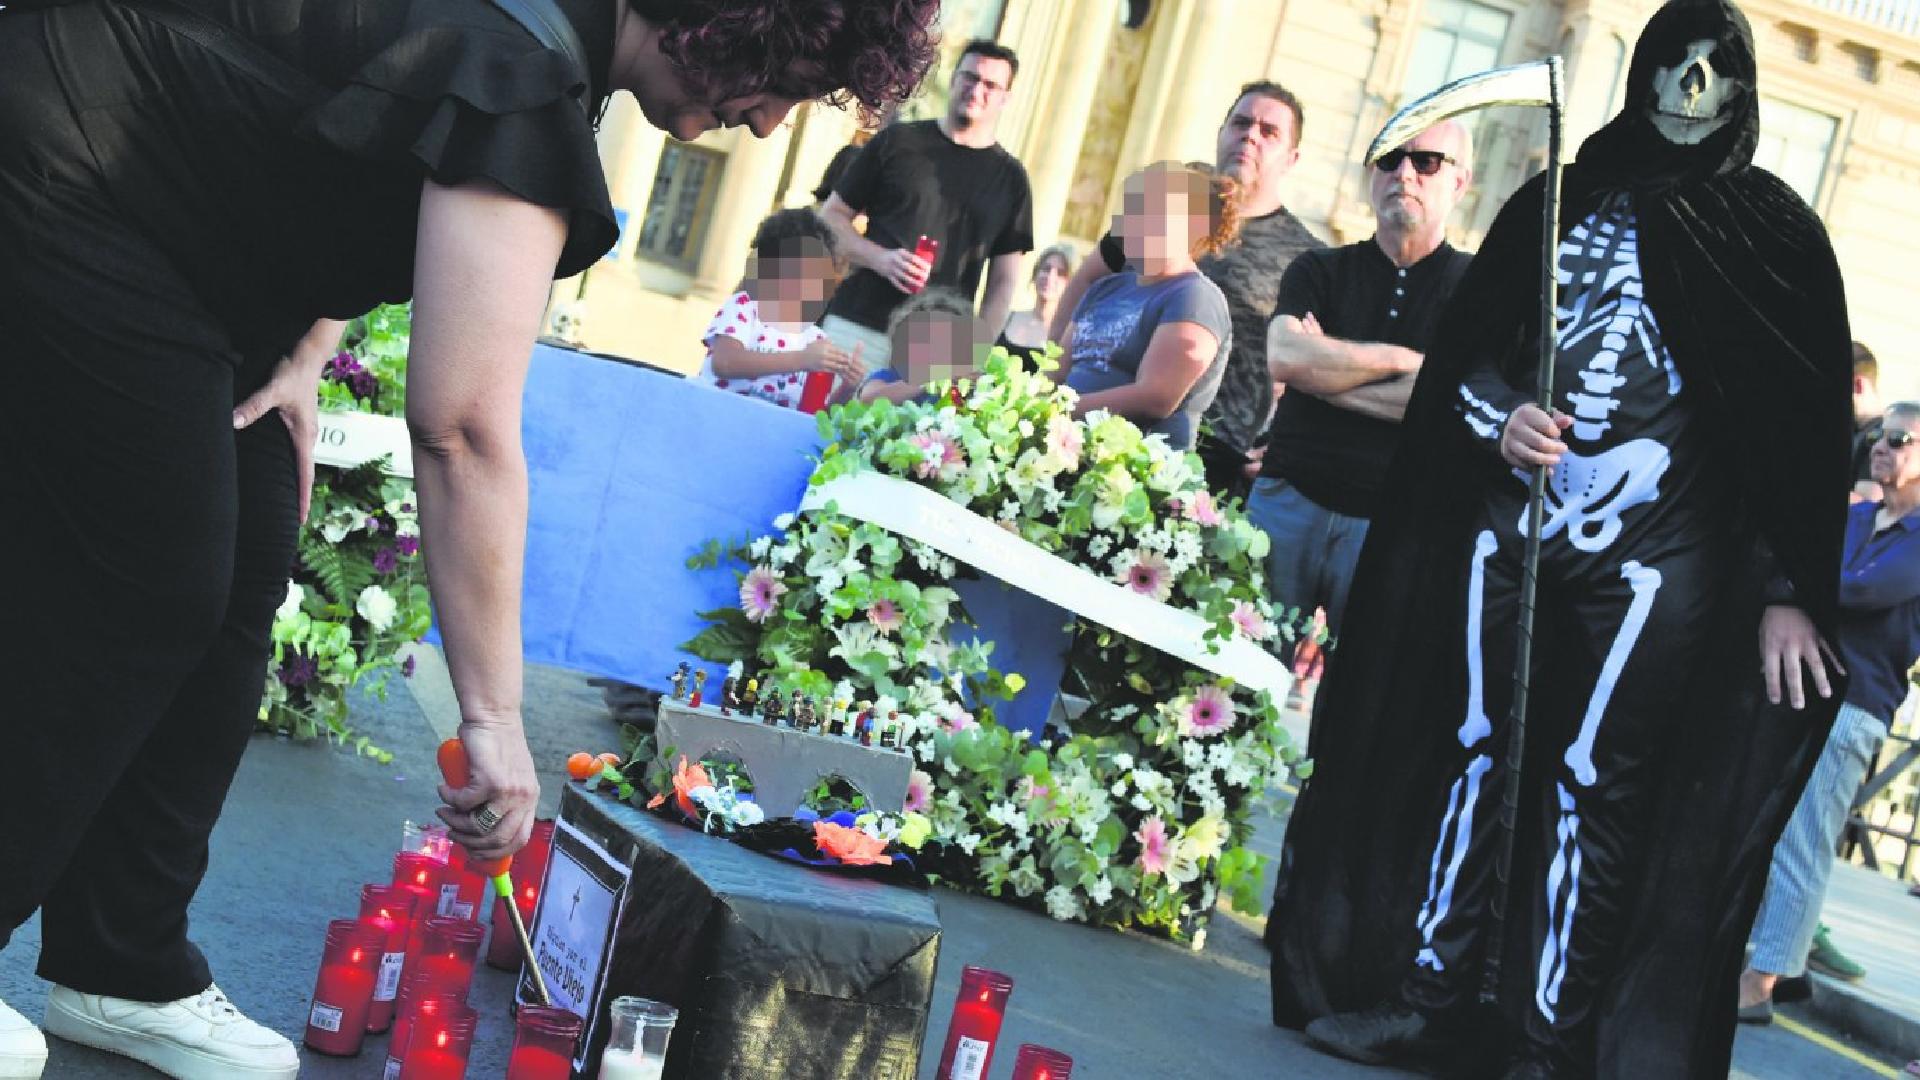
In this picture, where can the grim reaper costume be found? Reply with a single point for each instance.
(1703, 354)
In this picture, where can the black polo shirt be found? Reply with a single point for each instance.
(1336, 457)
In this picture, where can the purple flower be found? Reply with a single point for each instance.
(406, 667)
(408, 545)
(298, 670)
(384, 561)
(363, 383)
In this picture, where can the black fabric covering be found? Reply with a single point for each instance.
(1744, 285)
(780, 971)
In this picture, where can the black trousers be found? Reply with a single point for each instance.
(1619, 630)
(144, 545)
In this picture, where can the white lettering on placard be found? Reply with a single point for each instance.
(448, 894)
(970, 1059)
(461, 911)
(346, 439)
(389, 984)
(325, 1017)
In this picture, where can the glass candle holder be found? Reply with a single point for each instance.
(390, 910)
(438, 1045)
(637, 1039)
(419, 995)
(464, 892)
(975, 1027)
(543, 1043)
(449, 951)
(529, 871)
(430, 840)
(349, 967)
(1041, 1063)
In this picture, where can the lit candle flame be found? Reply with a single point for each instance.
(440, 1040)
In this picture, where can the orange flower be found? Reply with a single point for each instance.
(685, 779)
(850, 846)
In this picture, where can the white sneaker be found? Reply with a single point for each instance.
(23, 1050)
(197, 1038)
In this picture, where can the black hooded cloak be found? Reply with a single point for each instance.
(1740, 275)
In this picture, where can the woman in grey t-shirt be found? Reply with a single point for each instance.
(1150, 342)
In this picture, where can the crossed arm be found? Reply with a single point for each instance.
(1367, 377)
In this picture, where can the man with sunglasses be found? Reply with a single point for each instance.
(947, 180)
(1347, 338)
(1878, 636)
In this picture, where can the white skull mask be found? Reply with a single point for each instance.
(1690, 99)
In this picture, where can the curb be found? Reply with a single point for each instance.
(1863, 1014)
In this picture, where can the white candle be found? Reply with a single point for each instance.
(629, 1065)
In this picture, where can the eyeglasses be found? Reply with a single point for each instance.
(1425, 162)
(967, 80)
(1896, 439)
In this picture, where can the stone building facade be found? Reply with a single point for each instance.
(1108, 85)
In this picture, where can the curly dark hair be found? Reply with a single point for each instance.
(870, 52)
(781, 233)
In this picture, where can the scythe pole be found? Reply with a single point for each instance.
(1537, 83)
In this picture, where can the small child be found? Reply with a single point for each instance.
(935, 337)
(764, 341)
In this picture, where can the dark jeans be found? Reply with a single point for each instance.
(1314, 550)
(144, 545)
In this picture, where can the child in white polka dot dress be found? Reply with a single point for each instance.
(764, 341)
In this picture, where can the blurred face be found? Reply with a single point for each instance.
(1404, 198)
(1161, 215)
(979, 90)
(1895, 466)
(802, 273)
(1049, 278)
(1258, 144)
(936, 345)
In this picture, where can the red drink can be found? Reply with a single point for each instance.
(929, 250)
(813, 392)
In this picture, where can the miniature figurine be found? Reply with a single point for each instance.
(838, 721)
(699, 689)
(772, 709)
(729, 696)
(750, 699)
(890, 732)
(803, 718)
(679, 681)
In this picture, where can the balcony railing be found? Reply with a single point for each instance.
(1899, 16)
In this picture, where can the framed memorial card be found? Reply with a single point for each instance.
(572, 931)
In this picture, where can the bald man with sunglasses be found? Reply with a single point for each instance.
(1347, 338)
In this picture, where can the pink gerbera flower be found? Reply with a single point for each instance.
(919, 792)
(961, 720)
(884, 614)
(1155, 849)
(1201, 509)
(1248, 620)
(1150, 576)
(760, 593)
(1208, 712)
(938, 453)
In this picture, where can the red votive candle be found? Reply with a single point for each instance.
(419, 995)
(349, 967)
(438, 1046)
(543, 1043)
(421, 875)
(463, 895)
(1040, 1063)
(529, 870)
(388, 909)
(449, 951)
(975, 1026)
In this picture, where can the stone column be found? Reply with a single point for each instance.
(1062, 118)
(746, 195)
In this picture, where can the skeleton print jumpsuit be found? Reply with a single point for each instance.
(1627, 542)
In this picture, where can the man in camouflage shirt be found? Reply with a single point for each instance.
(1258, 145)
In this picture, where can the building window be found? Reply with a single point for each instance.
(1457, 37)
(1795, 142)
(680, 205)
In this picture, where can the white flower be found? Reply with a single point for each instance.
(783, 522)
(1141, 802)
(1193, 753)
(758, 549)
(968, 842)
(1098, 547)
(291, 605)
(1063, 905)
(1100, 891)
(1119, 789)
(377, 607)
(1026, 879)
(1123, 761)
(338, 524)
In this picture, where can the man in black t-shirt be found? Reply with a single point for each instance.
(947, 180)
(1866, 422)
(1259, 143)
(1348, 335)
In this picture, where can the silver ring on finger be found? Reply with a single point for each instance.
(485, 819)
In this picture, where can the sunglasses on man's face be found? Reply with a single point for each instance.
(1425, 162)
(1897, 439)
